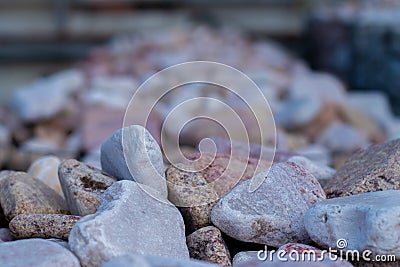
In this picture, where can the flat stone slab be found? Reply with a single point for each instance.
(273, 214)
(82, 186)
(129, 221)
(366, 221)
(36, 252)
(42, 225)
(22, 194)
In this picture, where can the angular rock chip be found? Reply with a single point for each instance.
(273, 214)
(207, 244)
(46, 170)
(129, 221)
(373, 169)
(42, 225)
(22, 194)
(82, 186)
(143, 162)
(321, 172)
(153, 261)
(365, 221)
(36, 252)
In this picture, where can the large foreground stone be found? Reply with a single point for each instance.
(35, 252)
(22, 194)
(132, 153)
(82, 186)
(365, 221)
(128, 221)
(153, 261)
(273, 214)
(373, 169)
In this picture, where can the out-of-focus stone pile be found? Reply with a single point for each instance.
(70, 113)
(65, 212)
(359, 41)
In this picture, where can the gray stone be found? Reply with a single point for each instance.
(153, 261)
(42, 225)
(366, 221)
(129, 221)
(316, 153)
(132, 153)
(322, 173)
(244, 256)
(341, 137)
(22, 194)
(5, 235)
(36, 252)
(273, 214)
(82, 186)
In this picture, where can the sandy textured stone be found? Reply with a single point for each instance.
(322, 173)
(5, 235)
(373, 169)
(83, 185)
(207, 244)
(36, 252)
(128, 221)
(215, 177)
(42, 225)
(153, 261)
(46, 170)
(366, 221)
(273, 214)
(22, 194)
(144, 162)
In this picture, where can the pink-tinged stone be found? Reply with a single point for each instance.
(36, 252)
(273, 214)
(46, 170)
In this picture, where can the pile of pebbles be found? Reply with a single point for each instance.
(335, 175)
(101, 220)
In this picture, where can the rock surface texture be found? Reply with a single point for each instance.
(273, 214)
(128, 221)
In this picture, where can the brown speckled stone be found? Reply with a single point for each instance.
(373, 169)
(207, 244)
(195, 205)
(82, 186)
(42, 225)
(22, 194)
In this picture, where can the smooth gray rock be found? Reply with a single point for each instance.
(244, 256)
(366, 221)
(129, 221)
(132, 153)
(5, 235)
(153, 261)
(273, 214)
(35, 252)
(321, 172)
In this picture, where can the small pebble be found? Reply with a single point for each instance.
(42, 225)
(82, 186)
(22, 194)
(5, 235)
(207, 244)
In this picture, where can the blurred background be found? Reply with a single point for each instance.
(67, 68)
